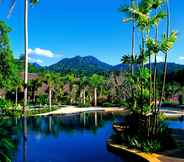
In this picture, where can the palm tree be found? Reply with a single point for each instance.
(141, 16)
(12, 5)
(26, 2)
(69, 79)
(83, 84)
(133, 41)
(96, 80)
(18, 84)
(165, 60)
(49, 78)
(34, 85)
(155, 22)
(131, 17)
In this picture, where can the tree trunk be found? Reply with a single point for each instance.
(33, 93)
(165, 61)
(81, 92)
(133, 45)
(84, 97)
(50, 98)
(150, 73)
(34, 97)
(155, 71)
(16, 96)
(101, 92)
(25, 53)
(95, 97)
(142, 65)
(154, 81)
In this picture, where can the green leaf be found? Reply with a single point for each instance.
(167, 43)
(33, 2)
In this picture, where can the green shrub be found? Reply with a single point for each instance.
(12, 112)
(42, 99)
(40, 111)
(84, 105)
(114, 103)
(108, 104)
(145, 145)
(4, 104)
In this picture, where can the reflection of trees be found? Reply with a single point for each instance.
(8, 140)
(25, 138)
(12, 130)
(53, 125)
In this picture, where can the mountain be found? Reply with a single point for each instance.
(36, 65)
(171, 67)
(87, 65)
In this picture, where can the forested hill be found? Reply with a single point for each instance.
(90, 65)
(87, 65)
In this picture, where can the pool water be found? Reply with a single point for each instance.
(176, 123)
(74, 138)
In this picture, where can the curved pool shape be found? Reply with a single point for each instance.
(74, 138)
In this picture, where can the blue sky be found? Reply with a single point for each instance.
(66, 28)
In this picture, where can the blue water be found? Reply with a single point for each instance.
(176, 124)
(77, 138)
(74, 138)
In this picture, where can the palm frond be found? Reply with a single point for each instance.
(145, 6)
(167, 43)
(157, 18)
(152, 45)
(157, 3)
(126, 59)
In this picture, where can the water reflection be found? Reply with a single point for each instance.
(8, 140)
(56, 138)
(25, 138)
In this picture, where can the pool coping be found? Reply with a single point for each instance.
(145, 157)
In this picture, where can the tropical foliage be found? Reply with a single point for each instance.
(145, 97)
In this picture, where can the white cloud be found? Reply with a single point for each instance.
(159, 59)
(41, 52)
(181, 58)
(33, 60)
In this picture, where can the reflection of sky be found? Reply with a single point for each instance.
(175, 124)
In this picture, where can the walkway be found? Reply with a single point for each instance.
(172, 113)
(73, 109)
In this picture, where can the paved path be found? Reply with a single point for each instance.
(73, 109)
(172, 113)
